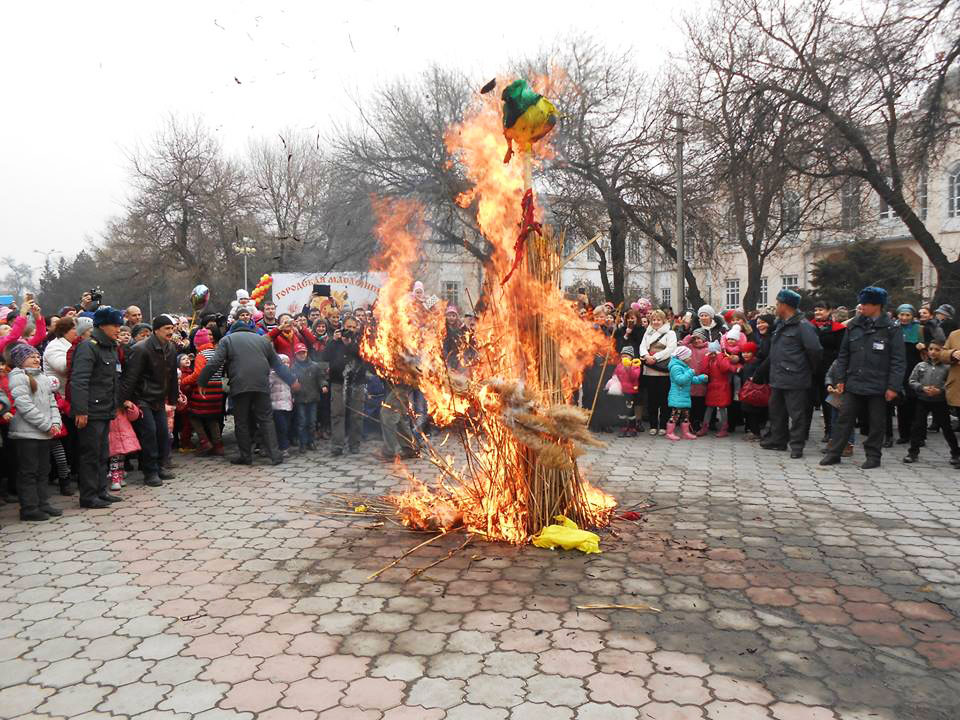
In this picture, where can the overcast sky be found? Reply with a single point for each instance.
(84, 82)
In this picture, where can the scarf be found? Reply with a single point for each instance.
(911, 333)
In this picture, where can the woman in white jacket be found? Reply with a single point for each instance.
(55, 356)
(35, 423)
(657, 347)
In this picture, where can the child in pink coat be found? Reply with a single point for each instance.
(123, 441)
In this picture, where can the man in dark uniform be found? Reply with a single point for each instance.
(794, 358)
(869, 374)
(94, 401)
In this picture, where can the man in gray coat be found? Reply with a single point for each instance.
(794, 357)
(248, 359)
(868, 375)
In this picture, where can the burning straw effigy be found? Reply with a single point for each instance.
(506, 399)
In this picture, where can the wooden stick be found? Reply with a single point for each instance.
(443, 559)
(408, 552)
(572, 256)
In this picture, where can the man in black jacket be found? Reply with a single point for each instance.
(248, 358)
(347, 386)
(869, 374)
(150, 380)
(94, 402)
(794, 358)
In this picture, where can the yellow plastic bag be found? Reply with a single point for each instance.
(568, 536)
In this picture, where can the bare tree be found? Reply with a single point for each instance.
(613, 170)
(876, 79)
(752, 141)
(18, 278)
(397, 148)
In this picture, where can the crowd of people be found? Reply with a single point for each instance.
(770, 371)
(91, 390)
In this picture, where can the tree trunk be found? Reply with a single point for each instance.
(602, 267)
(618, 254)
(754, 272)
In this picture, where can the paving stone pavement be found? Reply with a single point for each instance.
(788, 592)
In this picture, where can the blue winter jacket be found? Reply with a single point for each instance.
(682, 376)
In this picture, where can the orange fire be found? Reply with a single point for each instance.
(495, 399)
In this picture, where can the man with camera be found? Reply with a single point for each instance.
(347, 386)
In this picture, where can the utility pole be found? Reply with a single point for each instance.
(680, 302)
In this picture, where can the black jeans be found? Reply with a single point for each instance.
(874, 409)
(93, 458)
(789, 417)
(658, 387)
(941, 416)
(154, 439)
(249, 408)
(33, 460)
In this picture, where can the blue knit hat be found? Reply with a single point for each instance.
(907, 307)
(872, 296)
(789, 297)
(106, 315)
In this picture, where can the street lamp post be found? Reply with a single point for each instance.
(245, 248)
(680, 302)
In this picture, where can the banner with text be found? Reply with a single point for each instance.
(291, 291)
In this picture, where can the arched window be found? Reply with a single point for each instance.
(790, 212)
(953, 191)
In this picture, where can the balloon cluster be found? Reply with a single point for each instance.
(262, 288)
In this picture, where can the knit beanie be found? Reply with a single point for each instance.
(20, 352)
(789, 297)
(82, 324)
(733, 335)
(706, 310)
(162, 320)
(242, 294)
(202, 337)
(682, 352)
(748, 347)
(702, 333)
(139, 328)
(627, 350)
(906, 308)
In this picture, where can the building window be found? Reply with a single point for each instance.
(762, 300)
(451, 292)
(733, 293)
(789, 282)
(887, 212)
(922, 196)
(790, 213)
(633, 251)
(665, 294)
(953, 192)
(850, 205)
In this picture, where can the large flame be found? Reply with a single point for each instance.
(505, 399)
